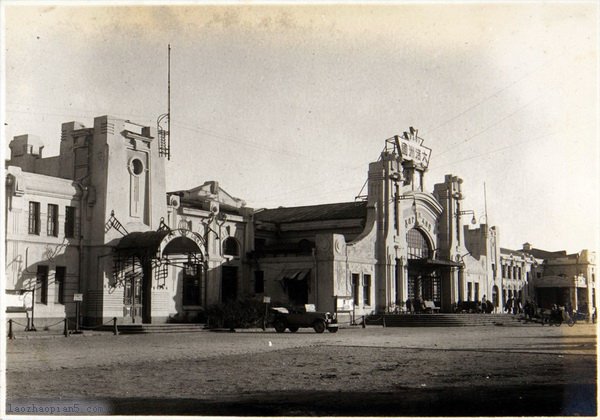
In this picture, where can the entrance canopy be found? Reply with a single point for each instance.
(433, 263)
(155, 244)
(159, 249)
(294, 274)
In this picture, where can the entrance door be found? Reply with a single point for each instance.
(132, 300)
(228, 283)
(298, 291)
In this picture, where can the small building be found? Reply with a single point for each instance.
(564, 279)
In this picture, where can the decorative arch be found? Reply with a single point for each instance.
(180, 241)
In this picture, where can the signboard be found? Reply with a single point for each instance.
(78, 297)
(344, 303)
(266, 299)
(410, 146)
(310, 307)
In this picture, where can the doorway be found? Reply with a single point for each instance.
(229, 283)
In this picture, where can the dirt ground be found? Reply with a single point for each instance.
(400, 372)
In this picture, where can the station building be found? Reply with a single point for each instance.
(96, 224)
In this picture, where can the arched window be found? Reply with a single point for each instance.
(230, 247)
(418, 246)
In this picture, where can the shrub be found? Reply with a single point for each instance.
(236, 314)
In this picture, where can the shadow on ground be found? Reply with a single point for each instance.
(550, 400)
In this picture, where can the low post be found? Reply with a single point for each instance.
(77, 317)
(10, 330)
(115, 329)
(383, 317)
(266, 301)
(364, 322)
(66, 329)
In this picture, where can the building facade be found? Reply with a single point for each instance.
(96, 222)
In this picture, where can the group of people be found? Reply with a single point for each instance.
(513, 306)
(475, 306)
(415, 306)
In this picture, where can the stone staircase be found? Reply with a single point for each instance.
(445, 320)
(156, 328)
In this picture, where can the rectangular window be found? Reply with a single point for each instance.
(539, 275)
(476, 292)
(519, 273)
(259, 281)
(509, 272)
(503, 271)
(52, 222)
(367, 289)
(34, 218)
(355, 286)
(69, 222)
(59, 284)
(469, 290)
(41, 284)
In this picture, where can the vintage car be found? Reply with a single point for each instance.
(302, 317)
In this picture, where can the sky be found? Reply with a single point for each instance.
(286, 105)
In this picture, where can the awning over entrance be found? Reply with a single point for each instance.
(294, 274)
(433, 263)
(158, 243)
(137, 243)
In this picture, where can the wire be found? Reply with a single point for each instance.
(491, 126)
(487, 98)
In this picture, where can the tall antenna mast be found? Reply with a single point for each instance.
(164, 136)
(485, 204)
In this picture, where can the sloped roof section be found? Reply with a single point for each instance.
(540, 253)
(210, 190)
(335, 211)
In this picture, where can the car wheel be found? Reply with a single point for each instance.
(279, 326)
(332, 329)
(319, 326)
(293, 329)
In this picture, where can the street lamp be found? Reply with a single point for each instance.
(461, 212)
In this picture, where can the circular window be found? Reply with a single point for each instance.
(136, 167)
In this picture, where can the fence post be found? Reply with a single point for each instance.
(10, 329)
(115, 329)
(66, 329)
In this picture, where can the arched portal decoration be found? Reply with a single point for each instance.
(180, 241)
(142, 260)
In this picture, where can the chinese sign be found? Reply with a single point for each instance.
(410, 146)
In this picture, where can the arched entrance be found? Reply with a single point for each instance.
(424, 283)
(495, 297)
(142, 261)
(428, 277)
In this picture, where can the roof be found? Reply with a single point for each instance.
(352, 210)
(511, 251)
(540, 253)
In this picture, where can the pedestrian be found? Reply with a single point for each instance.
(508, 306)
(569, 308)
(527, 310)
